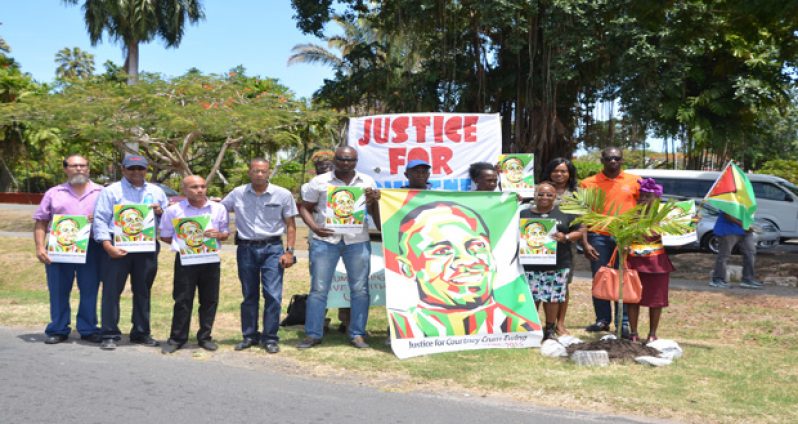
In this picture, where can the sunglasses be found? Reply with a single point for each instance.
(613, 158)
(136, 168)
(346, 159)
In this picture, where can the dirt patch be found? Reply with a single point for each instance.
(617, 350)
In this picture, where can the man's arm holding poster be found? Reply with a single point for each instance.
(310, 201)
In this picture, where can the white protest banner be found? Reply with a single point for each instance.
(450, 142)
(339, 289)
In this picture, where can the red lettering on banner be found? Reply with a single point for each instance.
(440, 160)
(452, 126)
(382, 132)
(470, 128)
(396, 158)
(366, 132)
(437, 129)
(399, 127)
(421, 123)
(438, 156)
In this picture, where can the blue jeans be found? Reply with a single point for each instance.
(604, 245)
(259, 268)
(60, 277)
(323, 259)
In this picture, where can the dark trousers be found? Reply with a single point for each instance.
(141, 267)
(203, 278)
(605, 245)
(60, 279)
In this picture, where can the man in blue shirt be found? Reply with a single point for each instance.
(730, 232)
(141, 266)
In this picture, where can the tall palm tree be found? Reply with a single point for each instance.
(74, 63)
(132, 22)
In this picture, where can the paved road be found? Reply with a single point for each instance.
(79, 383)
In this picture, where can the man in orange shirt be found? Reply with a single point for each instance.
(622, 190)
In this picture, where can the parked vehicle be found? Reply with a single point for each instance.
(776, 197)
(767, 235)
(171, 194)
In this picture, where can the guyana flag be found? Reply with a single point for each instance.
(732, 193)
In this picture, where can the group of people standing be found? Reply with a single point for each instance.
(266, 212)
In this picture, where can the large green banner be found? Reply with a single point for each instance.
(452, 276)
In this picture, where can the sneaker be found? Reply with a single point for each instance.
(598, 326)
(719, 284)
(108, 344)
(359, 343)
(754, 285)
(308, 343)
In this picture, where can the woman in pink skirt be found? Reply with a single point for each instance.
(653, 266)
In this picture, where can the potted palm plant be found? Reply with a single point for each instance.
(632, 226)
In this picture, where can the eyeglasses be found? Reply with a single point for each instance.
(613, 158)
(346, 159)
(77, 165)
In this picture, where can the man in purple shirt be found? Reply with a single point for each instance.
(200, 277)
(77, 196)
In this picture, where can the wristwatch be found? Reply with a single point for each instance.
(289, 250)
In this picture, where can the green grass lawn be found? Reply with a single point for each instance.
(740, 363)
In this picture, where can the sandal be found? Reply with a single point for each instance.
(634, 338)
(651, 339)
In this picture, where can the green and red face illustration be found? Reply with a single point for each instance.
(536, 235)
(446, 248)
(343, 203)
(66, 232)
(131, 220)
(191, 232)
(514, 169)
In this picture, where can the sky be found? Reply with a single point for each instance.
(256, 34)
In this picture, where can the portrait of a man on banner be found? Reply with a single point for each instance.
(452, 270)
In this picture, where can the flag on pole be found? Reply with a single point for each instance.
(733, 194)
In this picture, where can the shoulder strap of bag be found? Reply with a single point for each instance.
(611, 263)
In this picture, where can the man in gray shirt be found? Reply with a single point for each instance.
(263, 212)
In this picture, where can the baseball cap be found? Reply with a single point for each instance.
(417, 162)
(134, 160)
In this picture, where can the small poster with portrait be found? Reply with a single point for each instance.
(684, 212)
(190, 240)
(134, 228)
(517, 173)
(69, 239)
(537, 247)
(346, 209)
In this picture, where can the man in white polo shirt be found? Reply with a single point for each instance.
(326, 248)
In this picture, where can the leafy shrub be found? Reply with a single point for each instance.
(586, 168)
(286, 181)
(787, 169)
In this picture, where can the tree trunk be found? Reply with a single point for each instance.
(132, 62)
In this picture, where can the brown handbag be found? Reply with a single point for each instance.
(605, 283)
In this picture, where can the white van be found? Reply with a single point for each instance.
(777, 198)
